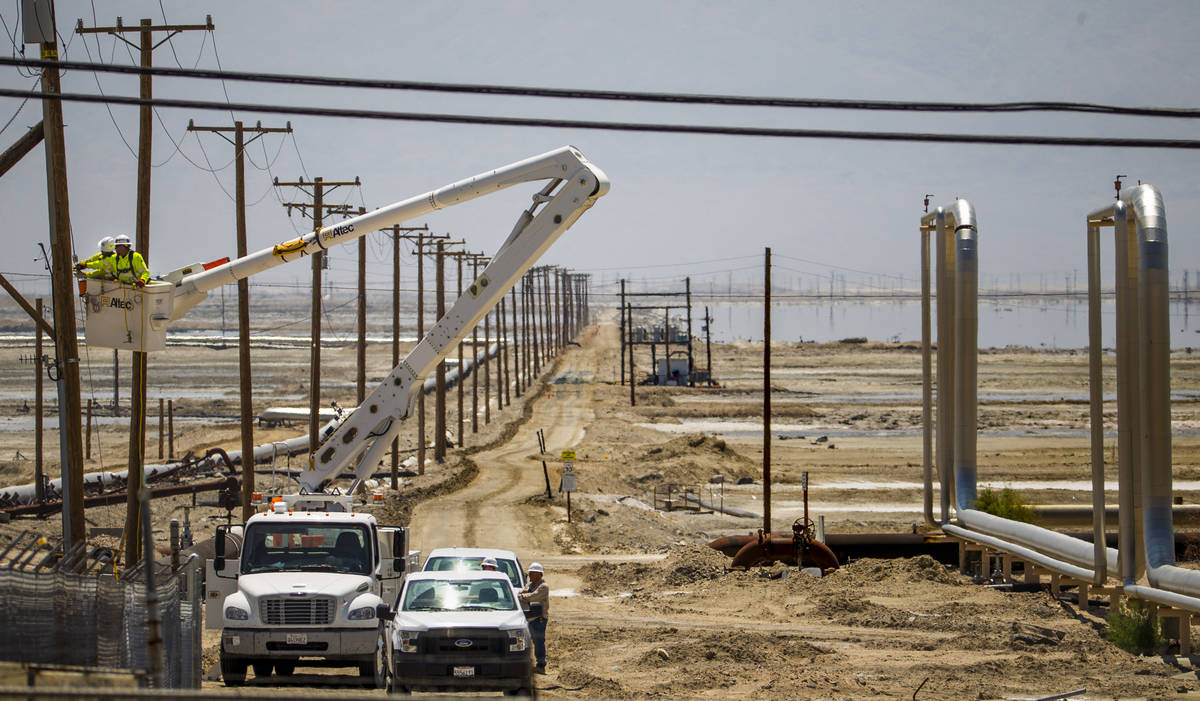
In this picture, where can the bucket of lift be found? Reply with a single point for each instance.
(127, 317)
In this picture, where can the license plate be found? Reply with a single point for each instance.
(297, 638)
(464, 672)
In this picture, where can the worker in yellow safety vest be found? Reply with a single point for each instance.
(100, 265)
(129, 265)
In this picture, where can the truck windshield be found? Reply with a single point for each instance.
(465, 564)
(459, 595)
(306, 547)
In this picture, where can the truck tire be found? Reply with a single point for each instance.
(285, 669)
(233, 670)
(370, 671)
(262, 669)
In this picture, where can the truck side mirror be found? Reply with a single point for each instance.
(384, 612)
(534, 611)
(399, 548)
(219, 549)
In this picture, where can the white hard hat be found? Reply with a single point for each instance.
(107, 244)
(121, 240)
(488, 562)
(536, 567)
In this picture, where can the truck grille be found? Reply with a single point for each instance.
(291, 611)
(483, 641)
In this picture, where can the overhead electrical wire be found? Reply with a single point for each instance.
(658, 97)
(699, 129)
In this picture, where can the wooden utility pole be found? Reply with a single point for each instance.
(42, 32)
(475, 355)
(690, 369)
(38, 368)
(767, 392)
(503, 324)
(137, 411)
(439, 418)
(461, 368)
(623, 330)
(396, 238)
(245, 386)
(361, 348)
(632, 383)
(319, 187)
(13, 154)
(516, 341)
(708, 320)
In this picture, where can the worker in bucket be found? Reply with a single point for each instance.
(101, 264)
(537, 592)
(129, 265)
(489, 564)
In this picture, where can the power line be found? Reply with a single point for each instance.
(657, 97)
(709, 130)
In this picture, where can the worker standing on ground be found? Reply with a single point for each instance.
(489, 564)
(101, 264)
(537, 591)
(130, 267)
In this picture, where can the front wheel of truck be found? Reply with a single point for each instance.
(233, 670)
(371, 672)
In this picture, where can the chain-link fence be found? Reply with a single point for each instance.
(70, 609)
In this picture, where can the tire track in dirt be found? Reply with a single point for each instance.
(492, 511)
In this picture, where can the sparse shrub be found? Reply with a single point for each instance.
(854, 339)
(1134, 628)
(1006, 503)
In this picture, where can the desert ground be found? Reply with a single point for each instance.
(640, 606)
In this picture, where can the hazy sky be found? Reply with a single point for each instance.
(704, 206)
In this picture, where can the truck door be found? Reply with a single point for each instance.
(393, 545)
(222, 583)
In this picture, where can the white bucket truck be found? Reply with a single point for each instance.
(312, 571)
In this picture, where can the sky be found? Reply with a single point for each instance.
(679, 205)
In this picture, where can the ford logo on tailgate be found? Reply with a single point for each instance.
(463, 642)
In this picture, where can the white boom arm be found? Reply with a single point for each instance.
(559, 165)
(573, 186)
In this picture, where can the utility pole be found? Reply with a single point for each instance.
(41, 30)
(623, 330)
(137, 411)
(396, 237)
(691, 370)
(361, 355)
(319, 209)
(439, 418)
(475, 355)
(767, 392)
(516, 341)
(245, 387)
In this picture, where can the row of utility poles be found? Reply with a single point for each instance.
(548, 305)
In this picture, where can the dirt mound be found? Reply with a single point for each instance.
(684, 566)
(736, 647)
(689, 459)
(690, 564)
(912, 570)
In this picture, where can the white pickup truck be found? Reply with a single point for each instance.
(458, 631)
(306, 589)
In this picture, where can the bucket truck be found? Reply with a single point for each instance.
(312, 571)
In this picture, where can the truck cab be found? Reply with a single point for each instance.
(306, 589)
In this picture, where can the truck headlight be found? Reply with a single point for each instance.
(235, 613)
(517, 642)
(365, 613)
(408, 641)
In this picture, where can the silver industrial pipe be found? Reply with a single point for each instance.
(1096, 392)
(927, 383)
(944, 450)
(1154, 352)
(1047, 548)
